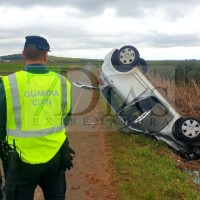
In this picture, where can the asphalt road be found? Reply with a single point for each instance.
(91, 176)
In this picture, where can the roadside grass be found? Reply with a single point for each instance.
(145, 169)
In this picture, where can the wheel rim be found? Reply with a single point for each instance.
(127, 56)
(191, 128)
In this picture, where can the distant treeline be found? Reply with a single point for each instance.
(187, 71)
(53, 59)
(12, 57)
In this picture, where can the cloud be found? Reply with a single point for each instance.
(126, 8)
(92, 26)
(161, 40)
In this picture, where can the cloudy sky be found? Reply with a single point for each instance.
(159, 29)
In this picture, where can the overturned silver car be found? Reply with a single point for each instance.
(141, 107)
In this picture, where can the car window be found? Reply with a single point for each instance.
(130, 113)
(113, 98)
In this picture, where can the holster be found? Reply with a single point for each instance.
(14, 160)
(10, 157)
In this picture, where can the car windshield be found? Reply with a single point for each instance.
(146, 113)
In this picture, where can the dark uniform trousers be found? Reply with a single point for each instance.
(1, 192)
(22, 181)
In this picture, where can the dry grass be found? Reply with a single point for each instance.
(184, 97)
(186, 100)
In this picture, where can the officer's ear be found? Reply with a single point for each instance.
(23, 55)
(46, 57)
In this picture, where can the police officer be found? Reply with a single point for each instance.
(2, 134)
(36, 105)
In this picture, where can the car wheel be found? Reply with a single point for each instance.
(114, 59)
(143, 65)
(125, 59)
(187, 130)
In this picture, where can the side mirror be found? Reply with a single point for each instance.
(86, 86)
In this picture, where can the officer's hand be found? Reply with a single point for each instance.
(66, 156)
(69, 163)
(71, 151)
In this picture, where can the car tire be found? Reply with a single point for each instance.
(125, 59)
(114, 59)
(143, 65)
(187, 130)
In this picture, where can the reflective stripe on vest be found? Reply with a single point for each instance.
(17, 111)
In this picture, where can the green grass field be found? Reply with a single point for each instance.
(10, 67)
(54, 63)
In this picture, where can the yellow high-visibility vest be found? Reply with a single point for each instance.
(36, 106)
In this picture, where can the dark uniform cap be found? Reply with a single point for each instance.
(38, 42)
